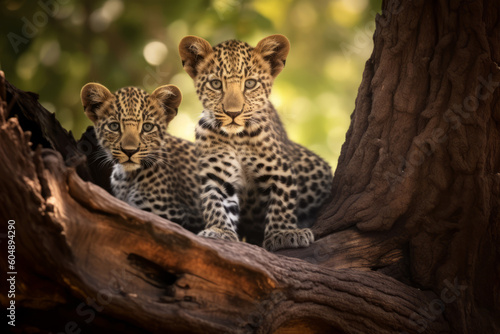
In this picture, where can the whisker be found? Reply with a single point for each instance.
(102, 159)
(159, 159)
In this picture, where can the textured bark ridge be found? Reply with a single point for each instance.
(408, 244)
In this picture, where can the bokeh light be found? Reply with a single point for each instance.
(102, 17)
(155, 52)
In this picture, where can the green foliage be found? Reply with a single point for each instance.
(54, 47)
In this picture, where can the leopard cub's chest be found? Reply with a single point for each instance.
(256, 157)
(133, 187)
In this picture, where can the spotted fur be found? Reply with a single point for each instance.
(252, 176)
(153, 170)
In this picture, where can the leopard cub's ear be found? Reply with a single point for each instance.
(192, 50)
(274, 49)
(169, 97)
(93, 96)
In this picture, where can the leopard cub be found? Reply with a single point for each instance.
(153, 170)
(252, 176)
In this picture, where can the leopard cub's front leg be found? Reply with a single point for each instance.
(219, 198)
(282, 229)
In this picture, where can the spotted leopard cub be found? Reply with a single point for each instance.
(253, 177)
(153, 170)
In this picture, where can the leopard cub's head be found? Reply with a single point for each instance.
(233, 80)
(131, 124)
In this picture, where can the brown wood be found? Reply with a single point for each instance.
(409, 242)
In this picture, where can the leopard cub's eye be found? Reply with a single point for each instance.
(216, 84)
(146, 127)
(114, 126)
(250, 83)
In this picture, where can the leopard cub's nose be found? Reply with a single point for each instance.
(233, 114)
(130, 153)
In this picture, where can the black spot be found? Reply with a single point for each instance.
(215, 178)
(263, 178)
(303, 203)
(255, 133)
(233, 209)
(229, 189)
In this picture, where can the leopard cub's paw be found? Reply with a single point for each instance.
(288, 239)
(217, 233)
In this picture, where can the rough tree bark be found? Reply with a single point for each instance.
(422, 157)
(407, 244)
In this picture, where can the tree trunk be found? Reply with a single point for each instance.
(407, 244)
(419, 170)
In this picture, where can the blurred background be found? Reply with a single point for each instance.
(54, 47)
